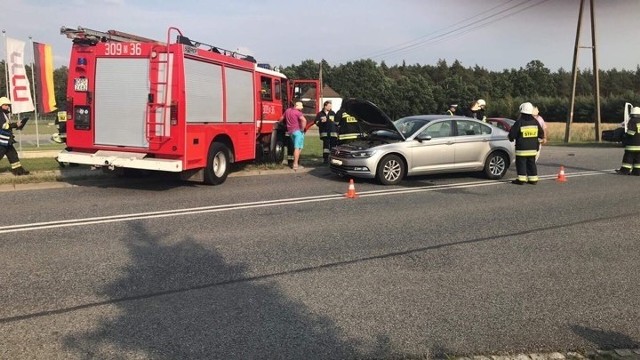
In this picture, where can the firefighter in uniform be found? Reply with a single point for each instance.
(631, 157)
(477, 110)
(453, 108)
(328, 129)
(7, 139)
(527, 133)
(348, 127)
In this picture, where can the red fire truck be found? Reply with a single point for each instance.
(185, 106)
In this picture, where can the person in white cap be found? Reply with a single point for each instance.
(7, 139)
(527, 133)
(453, 110)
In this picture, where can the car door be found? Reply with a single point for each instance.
(434, 154)
(471, 144)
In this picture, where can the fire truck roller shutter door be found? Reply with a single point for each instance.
(203, 88)
(120, 120)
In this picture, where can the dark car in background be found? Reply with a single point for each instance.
(420, 145)
(502, 123)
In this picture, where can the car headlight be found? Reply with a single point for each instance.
(363, 154)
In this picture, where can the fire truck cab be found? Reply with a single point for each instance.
(184, 107)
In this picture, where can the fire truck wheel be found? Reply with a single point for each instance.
(218, 164)
(277, 155)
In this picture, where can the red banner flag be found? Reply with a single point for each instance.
(43, 73)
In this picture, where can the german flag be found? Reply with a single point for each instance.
(43, 70)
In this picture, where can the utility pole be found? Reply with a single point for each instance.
(596, 70)
(567, 133)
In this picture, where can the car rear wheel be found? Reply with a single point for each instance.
(391, 170)
(496, 165)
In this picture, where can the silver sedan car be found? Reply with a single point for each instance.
(419, 145)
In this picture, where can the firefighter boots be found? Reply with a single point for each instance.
(19, 171)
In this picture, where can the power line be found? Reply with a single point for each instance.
(469, 27)
(458, 31)
(410, 42)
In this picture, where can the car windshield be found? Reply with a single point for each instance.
(409, 125)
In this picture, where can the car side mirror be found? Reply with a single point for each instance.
(423, 137)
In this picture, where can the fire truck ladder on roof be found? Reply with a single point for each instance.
(82, 34)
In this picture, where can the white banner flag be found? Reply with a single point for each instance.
(19, 87)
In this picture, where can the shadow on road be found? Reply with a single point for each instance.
(135, 180)
(180, 300)
(606, 340)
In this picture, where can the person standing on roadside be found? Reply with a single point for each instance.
(7, 140)
(536, 114)
(328, 129)
(631, 157)
(296, 126)
(453, 108)
(526, 132)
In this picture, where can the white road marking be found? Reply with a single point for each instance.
(261, 204)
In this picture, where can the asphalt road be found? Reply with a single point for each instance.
(284, 266)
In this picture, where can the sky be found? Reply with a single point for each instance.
(493, 34)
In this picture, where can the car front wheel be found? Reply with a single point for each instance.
(496, 165)
(391, 170)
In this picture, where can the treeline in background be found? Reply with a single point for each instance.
(402, 90)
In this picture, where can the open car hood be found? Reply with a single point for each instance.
(369, 116)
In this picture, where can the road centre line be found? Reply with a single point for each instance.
(259, 204)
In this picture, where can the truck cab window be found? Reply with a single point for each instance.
(266, 92)
(278, 90)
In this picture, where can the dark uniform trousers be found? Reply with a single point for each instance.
(12, 156)
(526, 168)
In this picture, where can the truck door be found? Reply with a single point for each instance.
(307, 91)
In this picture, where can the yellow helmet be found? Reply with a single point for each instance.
(5, 101)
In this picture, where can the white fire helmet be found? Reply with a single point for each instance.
(635, 111)
(526, 108)
(4, 101)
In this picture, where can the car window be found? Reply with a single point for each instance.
(498, 124)
(409, 125)
(438, 130)
(485, 129)
(466, 128)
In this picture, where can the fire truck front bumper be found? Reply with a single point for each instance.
(119, 159)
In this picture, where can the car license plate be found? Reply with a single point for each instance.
(336, 162)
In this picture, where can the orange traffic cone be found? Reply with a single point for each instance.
(561, 177)
(351, 192)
